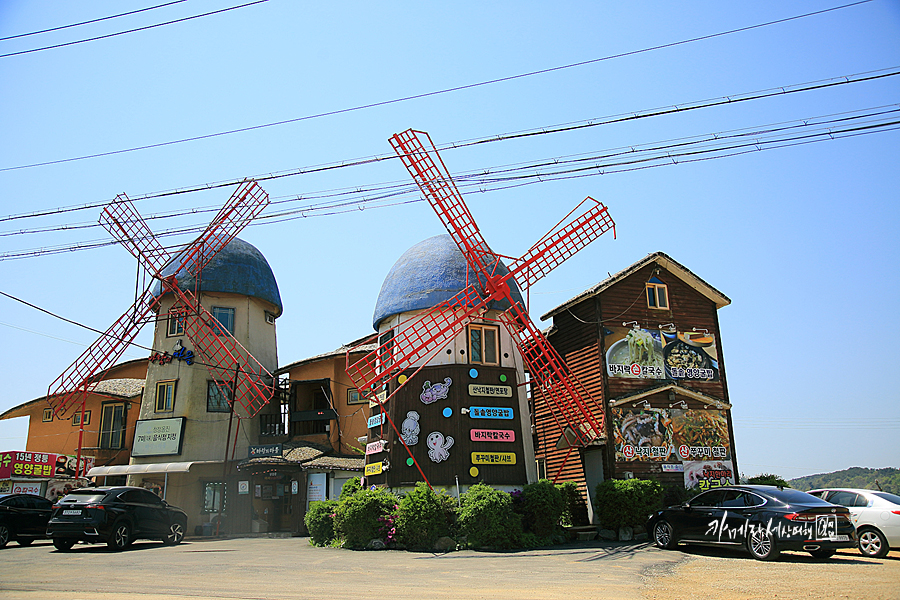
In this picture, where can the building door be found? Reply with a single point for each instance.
(593, 475)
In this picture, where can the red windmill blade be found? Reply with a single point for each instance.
(571, 401)
(126, 225)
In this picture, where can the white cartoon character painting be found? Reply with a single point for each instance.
(433, 393)
(438, 446)
(409, 429)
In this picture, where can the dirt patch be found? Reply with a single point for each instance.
(709, 574)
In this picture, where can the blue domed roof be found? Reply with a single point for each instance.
(430, 272)
(238, 268)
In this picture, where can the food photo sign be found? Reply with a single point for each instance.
(660, 354)
(697, 440)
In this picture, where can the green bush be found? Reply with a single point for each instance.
(361, 518)
(627, 502)
(487, 519)
(574, 507)
(541, 508)
(350, 487)
(319, 521)
(768, 479)
(423, 517)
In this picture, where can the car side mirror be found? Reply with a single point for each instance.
(686, 505)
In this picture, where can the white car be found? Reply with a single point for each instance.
(875, 514)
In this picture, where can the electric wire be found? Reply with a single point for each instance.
(631, 158)
(144, 28)
(545, 130)
(437, 92)
(133, 12)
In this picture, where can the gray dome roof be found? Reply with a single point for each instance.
(430, 272)
(238, 268)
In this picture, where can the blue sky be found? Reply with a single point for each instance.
(802, 238)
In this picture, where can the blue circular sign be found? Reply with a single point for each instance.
(473, 373)
(447, 411)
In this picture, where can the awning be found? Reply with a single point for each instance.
(172, 467)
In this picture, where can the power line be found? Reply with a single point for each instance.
(133, 12)
(118, 33)
(619, 160)
(545, 130)
(434, 93)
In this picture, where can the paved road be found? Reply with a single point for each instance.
(264, 568)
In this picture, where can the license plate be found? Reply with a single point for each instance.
(840, 538)
(78, 512)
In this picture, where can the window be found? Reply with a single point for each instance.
(386, 349)
(270, 318)
(176, 324)
(165, 396)
(225, 318)
(657, 294)
(354, 397)
(218, 396)
(213, 497)
(76, 418)
(47, 416)
(112, 426)
(483, 344)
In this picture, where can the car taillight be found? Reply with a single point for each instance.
(99, 506)
(896, 512)
(800, 517)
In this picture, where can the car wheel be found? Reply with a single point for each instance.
(663, 535)
(24, 541)
(822, 553)
(174, 535)
(761, 544)
(120, 536)
(63, 544)
(4, 536)
(873, 544)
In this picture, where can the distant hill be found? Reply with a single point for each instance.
(854, 477)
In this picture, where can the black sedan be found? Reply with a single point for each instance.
(23, 518)
(763, 519)
(115, 515)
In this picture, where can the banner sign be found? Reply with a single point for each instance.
(670, 435)
(479, 389)
(493, 458)
(158, 437)
(492, 435)
(266, 450)
(661, 354)
(40, 464)
(487, 412)
(380, 396)
(375, 420)
(706, 475)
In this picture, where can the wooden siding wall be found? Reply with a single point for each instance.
(576, 341)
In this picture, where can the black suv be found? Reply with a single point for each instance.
(23, 517)
(115, 515)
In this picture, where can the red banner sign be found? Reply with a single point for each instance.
(40, 464)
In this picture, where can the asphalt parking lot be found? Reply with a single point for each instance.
(288, 568)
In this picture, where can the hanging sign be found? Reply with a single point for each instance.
(375, 420)
(487, 412)
(492, 435)
(497, 391)
(381, 396)
(375, 447)
(493, 458)
(374, 469)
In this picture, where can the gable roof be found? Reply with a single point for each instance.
(663, 260)
(112, 388)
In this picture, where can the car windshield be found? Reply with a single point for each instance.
(83, 496)
(789, 496)
(889, 497)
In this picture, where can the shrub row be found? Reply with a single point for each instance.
(483, 518)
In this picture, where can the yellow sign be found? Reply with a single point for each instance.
(382, 396)
(374, 469)
(493, 458)
(494, 391)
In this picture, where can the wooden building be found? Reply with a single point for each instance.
(646, 343)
